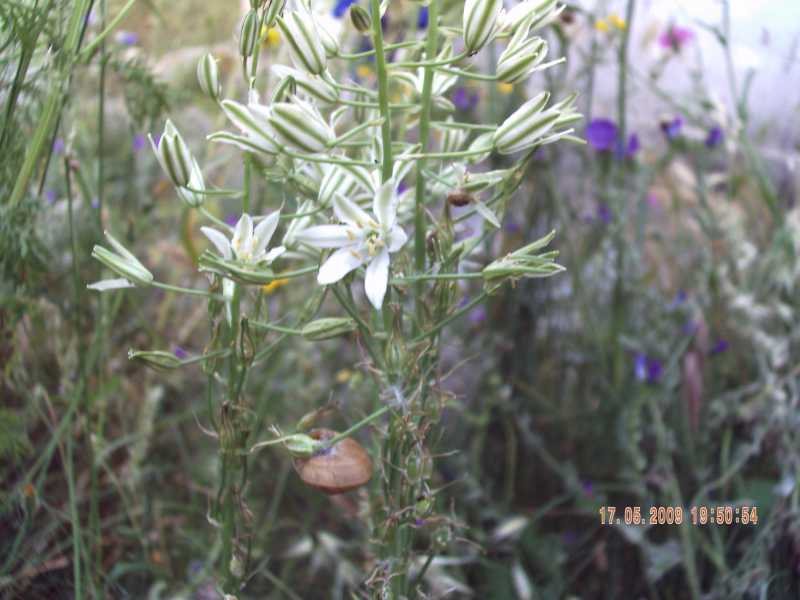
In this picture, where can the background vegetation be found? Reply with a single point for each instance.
(661, 369)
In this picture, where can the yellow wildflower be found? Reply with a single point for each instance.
(363, 71)
(343, 376)
(601, 25)
(617, 21)
(273, 286)
(270, 37)
(505, 88)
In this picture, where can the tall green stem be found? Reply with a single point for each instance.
(383, 90)
(424, 132)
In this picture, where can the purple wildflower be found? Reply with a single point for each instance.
(601, 134)
(675, 38)
(714, 137)
(59, 146)
(422, 18)
(512, 226)
(647, 369)
(587, 486)
(719, 347)
(95, 202)
(401, 187)
(604, 213)
(231, 219)
(477, 315)
(341, 7)
(633, 146)
(50, 196)
(139, 142)
(672, 127)
(127, 38)
(679, 299)
(180, 353)
(464, 100)
(569, 537)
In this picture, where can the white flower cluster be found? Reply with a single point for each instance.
(294, 136)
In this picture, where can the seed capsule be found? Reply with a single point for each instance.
(341, 468)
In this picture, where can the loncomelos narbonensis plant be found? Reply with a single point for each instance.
(380, 180)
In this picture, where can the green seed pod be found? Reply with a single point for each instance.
(327, 328)
(249, 34)
(360, 18)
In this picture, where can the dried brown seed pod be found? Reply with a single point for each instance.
(459, 198)
(341, 468)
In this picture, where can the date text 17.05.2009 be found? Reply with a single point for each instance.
(677, 515)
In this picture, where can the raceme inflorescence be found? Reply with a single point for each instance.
(352, 121)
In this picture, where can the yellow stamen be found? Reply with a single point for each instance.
(505, 88)
(270, 37)
(617, 21)
(364, 71)
(601, 25)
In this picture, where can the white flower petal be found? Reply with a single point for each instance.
(264, 231)
(396, 238)
(348, 211)
(385, 205)
(219, 240)
(328, 236)
(340, 264)
(110, 284)
(242, 234)
(274, 253)
(377, 279)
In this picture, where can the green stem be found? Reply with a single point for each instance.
(383, 90)
(361, 424)
(463, 310)
(278, 328)
(436, 277)
(426, 64)
(87, 51)
(424, 134)
(367, 53)
(183, 290)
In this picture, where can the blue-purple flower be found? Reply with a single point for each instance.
(630, 149)
(340, 8)
(647, 369)
(604, 213)
(422, 18)
(139, 142)
(59, 146)
(672, 127)
(477, 315)
(714, 137)
(127, 38)
(464, 100)
(720, 346)
(180, 353)
(602, 134)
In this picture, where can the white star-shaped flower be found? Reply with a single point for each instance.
(248, 244)
(360, 239)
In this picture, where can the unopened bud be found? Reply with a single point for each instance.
(249, 34)
(155, 359)
(208, 77)
(327, 328)
(360, 18)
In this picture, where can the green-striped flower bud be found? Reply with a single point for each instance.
(299, 126)
(208, 77)
(301, 445)
(304, 41)
(155, 359)
(311, 85)
(122, 262)
(273, 10)
(479, 23)
(327, 328)
(249, 34)
(328, 39)
(524, 263)
(173, 155)
(526, 126)
(251, 120)
(521, 59)
(360, 18)
(337, 180)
